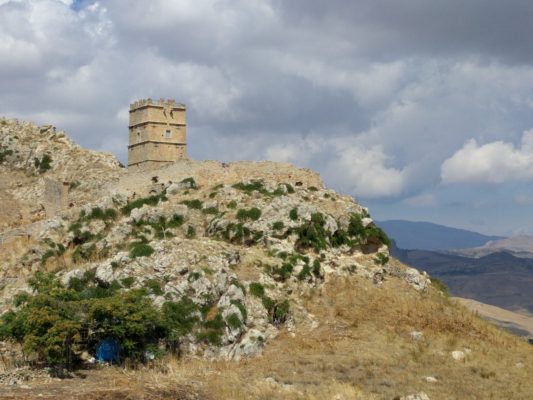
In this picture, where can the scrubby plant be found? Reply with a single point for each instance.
(293, 214)
(232, 204)
(138, 203)
(4, 153)
(278, 225)
(139, 249)
(313, 234)
(256, 289)
(154, 287)
(281, 312)
(210, 210)
(44, 164)
(176, 221)
(248, 188)
(190, 182)
(312, 188)
(244, 214)
(381, 259)
(194, 204)
(233, 321)
(191, 232)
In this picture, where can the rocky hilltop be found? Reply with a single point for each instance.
(38, 163)
(221, 262)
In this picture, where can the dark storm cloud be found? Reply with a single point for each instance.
(388, 29)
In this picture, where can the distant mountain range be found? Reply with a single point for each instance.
(518, 246)
(489, 269)
(429, 236)
(500, 279)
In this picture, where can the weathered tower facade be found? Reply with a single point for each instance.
(157, 134)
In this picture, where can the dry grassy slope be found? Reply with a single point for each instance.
(520, 323)
(361, 349)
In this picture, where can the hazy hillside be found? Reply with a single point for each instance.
(518, 246)
(499, 279)
(429, 236)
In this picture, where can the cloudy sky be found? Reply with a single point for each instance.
(421, 109)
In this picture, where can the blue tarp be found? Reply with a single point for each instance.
(108, 350)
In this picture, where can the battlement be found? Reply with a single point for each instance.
(156, 103)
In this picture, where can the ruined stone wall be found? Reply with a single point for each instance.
(207, 172)
(55, 197)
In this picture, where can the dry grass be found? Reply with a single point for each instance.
(361, 349)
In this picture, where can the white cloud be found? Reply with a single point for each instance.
(496, 162)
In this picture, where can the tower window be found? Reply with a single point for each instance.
(168, 134)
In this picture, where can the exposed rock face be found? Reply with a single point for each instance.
(241, 242)
(42, 172)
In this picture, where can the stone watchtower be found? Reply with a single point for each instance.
(156, 134)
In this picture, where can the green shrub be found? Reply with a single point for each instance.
(282, 273)
(154, 286)
(278, 225)
(257, 289)
(313, 234)
(316, 268)
(312, 189)
(253, 213)
(281, 312)
(176, 221)
(233, 321)
(213, 330)
(248, 188)
(43, 164)
(232, 204)
(210, 210)
(191, 232)
(138, 203)
(190, 182)
(128, 281)
(293, 214)
(289, 187)
(180, 317)
(381, 259)
(194, 204)
(141, 250)
(305, 272)
(241, 308)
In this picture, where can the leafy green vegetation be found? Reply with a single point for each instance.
(253, 213)
(4, 154)
(210, 210)
(257, 289)
(293, 214)
(44, 164)
(194, 204)
(190, 182)
(381, 259)
(139, 249)
(191, 232)
(278, 225)
(138, 203)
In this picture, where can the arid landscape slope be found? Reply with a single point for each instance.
(221, 281)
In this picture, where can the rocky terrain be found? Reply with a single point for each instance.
(213, 274)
